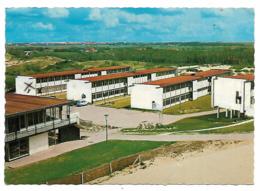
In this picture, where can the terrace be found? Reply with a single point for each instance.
(29, 115)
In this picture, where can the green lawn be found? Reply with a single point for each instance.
(76, 161)
(188, 124)
(201, 104)
(116, 102)
(243, 128)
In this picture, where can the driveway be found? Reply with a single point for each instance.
(127, 118)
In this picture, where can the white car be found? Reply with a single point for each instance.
(81, 103)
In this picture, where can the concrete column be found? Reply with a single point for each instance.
(226, 112)
(238, 114)
(231, 113)
(218, 112)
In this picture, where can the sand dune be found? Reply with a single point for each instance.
(230, 163)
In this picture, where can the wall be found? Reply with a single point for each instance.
(249, 108)
(224, 93)
(197, 84)
(38, 143)
(130, 84)
(69, 133)
(75, 89)
(143, 95)
(20, 85)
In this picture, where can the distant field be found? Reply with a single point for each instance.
(198, 105)
(76, 161)
(58, 58)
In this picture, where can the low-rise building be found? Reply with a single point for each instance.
(164, 93)
(33, 123)
(203, 85)
(103, 87)
(160, 94)
(56, 82)
(234, 93)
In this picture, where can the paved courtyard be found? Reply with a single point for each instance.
(128, 118)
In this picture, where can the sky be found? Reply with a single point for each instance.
(129, 25)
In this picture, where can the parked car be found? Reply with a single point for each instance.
(81, 103)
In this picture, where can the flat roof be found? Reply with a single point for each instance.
(248, 77)
(153, 70)
(172, 81)
(108, 77)
(53, 74)
(126, 74)
(95, 69)
(212, 72)
(17, 103)
(71, 72)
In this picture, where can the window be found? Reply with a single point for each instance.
(252, 100)
(105, 83)
(18, 148)
(183, 97)
(238, 98)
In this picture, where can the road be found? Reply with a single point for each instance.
(127, 118)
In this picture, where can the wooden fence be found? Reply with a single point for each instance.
(111, 167)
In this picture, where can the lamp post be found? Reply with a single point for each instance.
(154, 107)
(106, 115)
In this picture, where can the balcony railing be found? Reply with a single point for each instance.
(41, 127)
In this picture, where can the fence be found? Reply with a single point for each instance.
(111, 167)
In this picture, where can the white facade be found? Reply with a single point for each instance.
(104, 89)
(42, 86)
(201, 87)
(155, 97)
(79, 89)
(233, 94)
(25, 85)
(147, 97)
(85, 90)
(38, 143)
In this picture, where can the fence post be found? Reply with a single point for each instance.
(110, 168)
(82, 177)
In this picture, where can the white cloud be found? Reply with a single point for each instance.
(113, 17)
(95, 14)
(45, 26)
(57, 12)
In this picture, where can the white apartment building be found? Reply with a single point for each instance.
(160, 94)
(234, 93)
(164, 93)
(104, 87)
(56, 82)
(203, 85)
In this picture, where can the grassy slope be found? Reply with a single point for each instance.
(193, 123)
(115, 102)
(76, 161)
(201, 104)
(243, 128)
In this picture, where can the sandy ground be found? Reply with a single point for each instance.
(217, 163)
